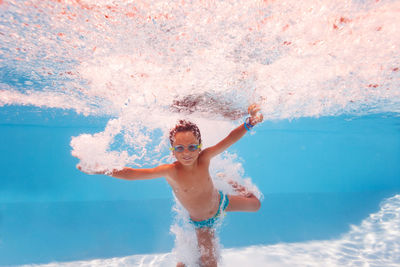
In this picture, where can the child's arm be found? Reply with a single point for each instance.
(128, 173)
(142, 174)
(234, 136)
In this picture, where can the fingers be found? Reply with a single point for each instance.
(256, 117)
(233, 184)
(253, 109)
(259, 118)
(250, 108)
(240, 189)
(78, 166)
(95, 171)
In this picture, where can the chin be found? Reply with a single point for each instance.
(187, 162)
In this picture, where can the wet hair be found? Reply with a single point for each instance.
(184, 126)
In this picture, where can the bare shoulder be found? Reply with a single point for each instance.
(171, 170)
(206, 155)
(166, 169)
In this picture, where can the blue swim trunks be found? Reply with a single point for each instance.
(223, 204)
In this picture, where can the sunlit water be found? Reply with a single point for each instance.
(142, 65)
(373, 243)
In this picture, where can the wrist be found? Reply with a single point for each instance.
(253, 121)
(248, 125)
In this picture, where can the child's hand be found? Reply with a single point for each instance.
(79, 167)
(255, 117)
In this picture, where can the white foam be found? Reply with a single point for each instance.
(148, 64)
(309, 58)
(134, 60)
(375, 242)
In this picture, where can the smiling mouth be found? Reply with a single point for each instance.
(188, 158)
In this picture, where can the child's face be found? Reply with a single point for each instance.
(185, 139)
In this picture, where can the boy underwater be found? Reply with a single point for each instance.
(190, 180)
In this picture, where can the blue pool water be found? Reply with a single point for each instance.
(106, 80)
(318, 177)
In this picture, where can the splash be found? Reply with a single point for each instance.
(148, 63)
(307, 58)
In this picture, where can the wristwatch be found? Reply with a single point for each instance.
(247, 124)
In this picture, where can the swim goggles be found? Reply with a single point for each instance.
(181, 148)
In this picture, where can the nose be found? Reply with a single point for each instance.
(186, 150)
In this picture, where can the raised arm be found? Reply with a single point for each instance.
(128, 173)
(235, 135)
(141, 174)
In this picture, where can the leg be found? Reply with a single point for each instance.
(242, 203)
(240, 189)
(205, 240)
(245, 201)
(180, 264)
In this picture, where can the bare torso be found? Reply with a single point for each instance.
(194, 189)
